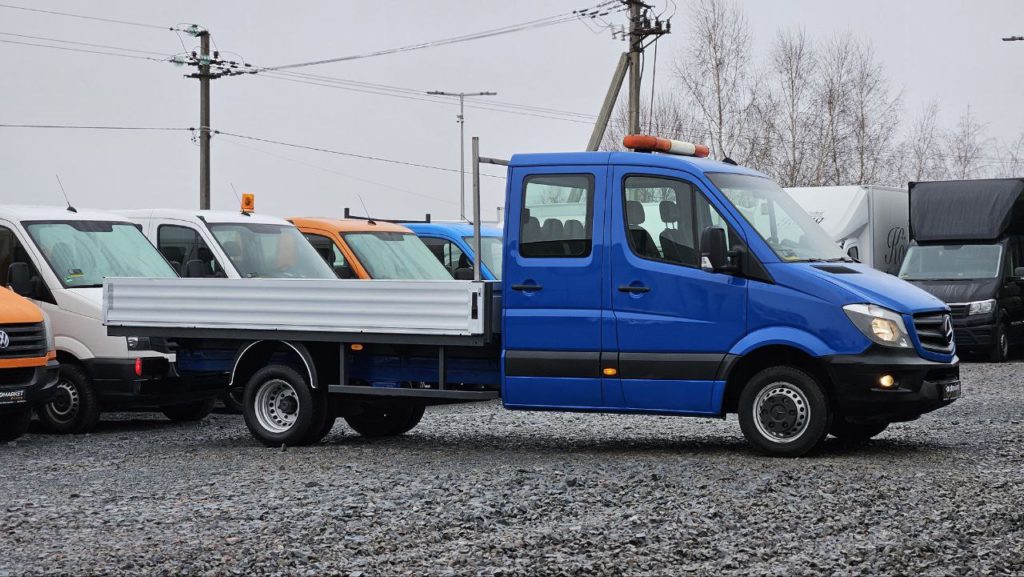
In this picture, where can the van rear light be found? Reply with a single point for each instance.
(138, 367)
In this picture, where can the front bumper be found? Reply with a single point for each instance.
(974, 334)
(118, 385)
(28, 386)
(921, 385)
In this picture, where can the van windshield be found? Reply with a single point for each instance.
(952, 262)
(400, 255)
(491, 253)
(83, 253)
(259, 250)
(790, 232)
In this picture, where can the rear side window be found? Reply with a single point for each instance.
(186, 251)
(557, 216)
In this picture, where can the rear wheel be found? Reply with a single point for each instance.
(281, 408)
(855, 432)
(387, 419)
(783, 412)
(14, 425)
(74, 407)
(1000, 350)
(194, 411)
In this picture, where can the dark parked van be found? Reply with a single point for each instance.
(967, 251)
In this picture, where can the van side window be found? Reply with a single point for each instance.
(11, 252)
(186, 251)
(446, 251)
(557, 216)
(329, 251)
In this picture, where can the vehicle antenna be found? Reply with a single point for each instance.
(238, 197)
(365, 210)
(61, 184)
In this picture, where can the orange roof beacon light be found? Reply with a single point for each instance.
(248, 203)
(644, 143)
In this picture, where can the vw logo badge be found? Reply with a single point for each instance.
(5, 340)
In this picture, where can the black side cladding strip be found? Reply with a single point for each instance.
(580, 364)
(670, 366)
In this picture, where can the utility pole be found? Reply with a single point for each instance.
(641, 26)
(204, 120)
(462, 141)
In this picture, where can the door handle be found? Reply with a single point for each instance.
(634, 289)
(526, 287)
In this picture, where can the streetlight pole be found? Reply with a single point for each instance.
(462, 141)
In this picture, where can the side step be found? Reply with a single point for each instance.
(419, 393)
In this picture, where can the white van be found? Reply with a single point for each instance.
(58, 258)
(205, 243)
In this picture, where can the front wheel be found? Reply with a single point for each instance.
(281, 408)
(387, 419)
(74, 407)
(184, 412)
(14, 425)
(783, 412)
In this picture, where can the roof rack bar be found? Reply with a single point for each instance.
(349, 215)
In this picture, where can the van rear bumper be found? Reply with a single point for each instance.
(27, 387)
(118, 385)
(921, 386)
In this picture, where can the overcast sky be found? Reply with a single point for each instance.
(943, 49)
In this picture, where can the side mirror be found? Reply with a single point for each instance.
(464, 273)
(19, 278)
(1019, 272)
(713, 252)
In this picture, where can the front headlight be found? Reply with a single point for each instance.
(51, 344)
(981, 307)
(881, 325)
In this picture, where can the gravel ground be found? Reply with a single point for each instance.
(477, 490)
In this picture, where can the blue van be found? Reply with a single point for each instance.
(451, 243)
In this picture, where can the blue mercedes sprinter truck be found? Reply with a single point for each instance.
(632, 282)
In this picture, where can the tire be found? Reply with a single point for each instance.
(855, 432)
(387, 419)
(14, 425)
(783, 412)
(194, 411)
(330, 416)
(1000, 350)
(74, 408)
(234, 400)
(281, 408)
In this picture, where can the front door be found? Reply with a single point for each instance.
(552, 288)
(674, 321)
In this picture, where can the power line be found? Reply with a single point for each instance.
(93, 127)
(85, 44)
(349, 154)
(84, 17)
(83, 50)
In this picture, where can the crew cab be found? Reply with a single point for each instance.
(632, 282)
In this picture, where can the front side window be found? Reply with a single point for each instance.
(492, 252)
(557, 216)
(395, 255)
(790, 232)
(951, 262)
(447, 253)
(331, 254)
(269, 251)
(11, 251)
(83, 253)
(187, 252)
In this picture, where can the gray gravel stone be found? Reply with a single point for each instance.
(477, 490)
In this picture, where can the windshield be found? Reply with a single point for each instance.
(951, 262)
(780, 221)
(395, 255)
(83, 253)
(269, 251)
(491, 253)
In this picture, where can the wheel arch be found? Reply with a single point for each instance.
(743, 368)
(255, 355)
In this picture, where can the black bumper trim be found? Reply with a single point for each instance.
(37, 390)
(117, 385)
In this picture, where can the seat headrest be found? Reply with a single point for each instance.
(669, 211)
(635, 212)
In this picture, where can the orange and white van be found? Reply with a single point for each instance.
(28, 363)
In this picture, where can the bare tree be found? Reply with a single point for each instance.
(667, 118)
(716, 82)
(924, 146)
(964, 147)
(787, 110)
(873, 119)
(1012, 159)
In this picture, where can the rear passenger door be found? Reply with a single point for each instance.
(674, 321)
(552, 288)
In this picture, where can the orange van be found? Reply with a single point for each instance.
(28, 363)
(364, 249)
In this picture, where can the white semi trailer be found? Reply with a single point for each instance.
(870, 223)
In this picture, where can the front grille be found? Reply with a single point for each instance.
(18, 376)
(28, 340)
(935, 331)
(959, 310)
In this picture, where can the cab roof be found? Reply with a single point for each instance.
(210, 216)
(343, 225)
(459, 229)
(689, 163)
(18, 212)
